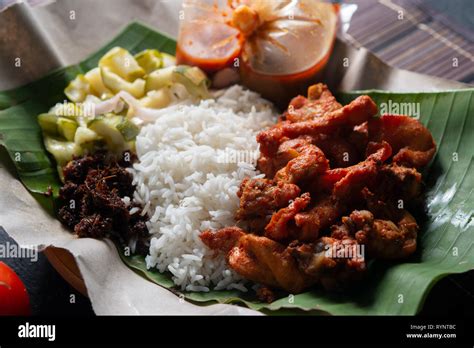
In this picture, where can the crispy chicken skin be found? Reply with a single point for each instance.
(223, 241)
(395, 182)
(293, 268)
(319, 260)
(345, 185)
(323, 213)
(412, 143)
(309, 163)
(389, 240)
(338, 151)
(358, 137)
(320, 102)
(353, 114)
(337, 179)
(263, 260)
(287, 151)
(281, 226)
(341, 179)
(259, 259)
(259, 198)
(385, 239)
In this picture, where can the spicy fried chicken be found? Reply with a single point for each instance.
(338, 187)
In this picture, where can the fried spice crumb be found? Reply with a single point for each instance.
(92, 201)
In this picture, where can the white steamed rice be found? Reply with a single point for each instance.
(184, 187)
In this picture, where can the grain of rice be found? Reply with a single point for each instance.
(134, 210)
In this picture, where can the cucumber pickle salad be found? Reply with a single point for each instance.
(106, 106)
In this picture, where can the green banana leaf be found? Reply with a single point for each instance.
(446, 241)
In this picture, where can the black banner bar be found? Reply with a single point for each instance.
(237, 330)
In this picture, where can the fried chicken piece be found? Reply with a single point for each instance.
(341, 181)
(388, 240)
(223, 240)
(259, 198)
(309, 163)
(324, 213)
(345, 186)
(287, 151)
(320, 102)
(293, 268)
(358, 220)
(350, 186)
(391, 209)
(335, 263)
(266, 165)
(337, 150)
(395, 182)
(259, 259)
(359, 137)
(281, 225)
(265, 261)
(363, 173)
(412, 143)
(384, 239)
(355, 113)
(327, 209)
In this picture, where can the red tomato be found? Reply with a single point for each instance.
(14, 299)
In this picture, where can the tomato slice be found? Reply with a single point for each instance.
(210, 47)
(206, 38)
(14, 299)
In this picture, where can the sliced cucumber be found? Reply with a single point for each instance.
(195, 75)
(149, 60)
(119, 61)
(128, 129)
(85, 135)
(49, 123)
(106, 127)
(97, 85)
(67, 128)
(168, 59)
(78, 89)
(63, 151)
(60, 173)
(116, 84)
(159, 79)
(192, 78)
(157, 99)
(56, 126)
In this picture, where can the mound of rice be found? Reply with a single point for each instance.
(191, 163)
